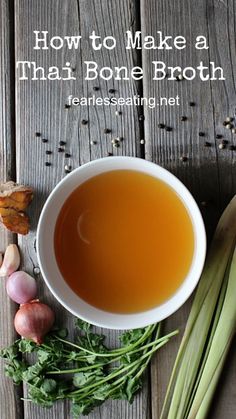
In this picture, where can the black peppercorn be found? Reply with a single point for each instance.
(44, 140)
(37, 134)
(168, 129)
(179, 77)
(112, 91)
(62, 142)
(47, 163)
(183, 118)
(96, 88)
(192, 103)
(48, 152)
(107, 131)
(161, 126)
(201, 134)
(84, 122)
(68, 168)
(67, 155)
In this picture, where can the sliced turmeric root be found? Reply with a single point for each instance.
(15, 196)
(15, 221)
(14, 199)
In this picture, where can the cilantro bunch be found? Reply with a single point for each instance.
(84, 371)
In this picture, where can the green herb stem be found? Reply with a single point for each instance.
(99, 373)
(120, 370)
(148, 332)
(142, 348)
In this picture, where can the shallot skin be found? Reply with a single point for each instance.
(34, 320)
(21, 287)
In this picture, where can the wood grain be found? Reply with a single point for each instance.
(11, 406)
(209, 173)
(40, 107)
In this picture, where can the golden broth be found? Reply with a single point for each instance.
(124, 241)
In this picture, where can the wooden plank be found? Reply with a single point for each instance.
(9, 394)
(40, 108)
(209, 172)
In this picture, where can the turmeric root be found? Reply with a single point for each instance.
(14, 199)
(15, 196)
(15, 221)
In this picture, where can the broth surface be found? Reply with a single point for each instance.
(124, 241)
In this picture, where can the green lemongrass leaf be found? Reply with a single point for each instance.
(209, 342)
(191, 360)
(196, 333)
(190, 390)
(203, 409)
(217, 259)
(222, 338)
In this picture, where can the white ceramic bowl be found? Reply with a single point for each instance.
(47, 259)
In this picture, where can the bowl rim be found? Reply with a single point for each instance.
(66, 296)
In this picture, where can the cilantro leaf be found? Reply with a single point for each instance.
(26, 346)
(93, 372)
(84, 378)
(82, 325)
(102, 393)
(131, 336)
(48, 386)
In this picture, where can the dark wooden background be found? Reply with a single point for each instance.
(28, 106)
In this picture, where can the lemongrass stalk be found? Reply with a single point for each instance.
(212, 332)
(204, 408)
(213, 329)
(197, 342)
(197, 329)
(220, 344)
